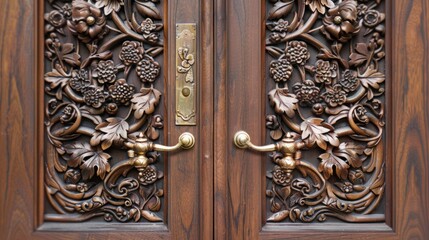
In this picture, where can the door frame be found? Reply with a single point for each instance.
(407, 131)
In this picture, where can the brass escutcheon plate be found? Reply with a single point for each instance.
(185, 74)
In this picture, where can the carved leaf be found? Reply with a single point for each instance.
(154, 204)
(114, 130)
(97, 160)
(150, 216)
(371, 78)
(280, 9)
(350, 151)
(81, 153)
(329, 160)
(145, 101)
(57, 78)
(148, 9)
(279, 216)
(283, 101)
(68, 55)
(314, 130)
(361, 55)
(78, 152)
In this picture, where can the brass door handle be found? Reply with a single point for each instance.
(137, 150)
(242, 140)
(288, 146)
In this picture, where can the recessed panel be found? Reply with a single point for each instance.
(325, 78)
(103, 88)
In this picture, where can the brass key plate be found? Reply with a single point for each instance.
(186, 87)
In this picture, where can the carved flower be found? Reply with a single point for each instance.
(276, 37)
(325, 72)
(357, 176)
(55, 20)
(79, 79)
(148, 69)
(297, 52)
(68, 114)
(340, 22)
(105, 71)
(307, 93)
(147, 26)
(335, 96)
(346, 187)
(82, 187)
(278, 26)
(148, 176)
(67, 10)
(359, 113)
(87, 22)
(131, 52)
(72, 176)
(319, 5)
(109, 5)
(93, 96)
(280, 70)
(361, 9)
(372, 18)
(121, 92)
(349, 82)
(280, 176)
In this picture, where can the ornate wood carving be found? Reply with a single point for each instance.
(326, 60)
(102, 68)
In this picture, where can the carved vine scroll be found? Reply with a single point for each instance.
(102, 67)
(326, 62)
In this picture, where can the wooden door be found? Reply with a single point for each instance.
(335, 91)
(290, 76)
(98, 91)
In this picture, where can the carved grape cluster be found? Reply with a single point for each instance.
(330, 96)
(95, 107)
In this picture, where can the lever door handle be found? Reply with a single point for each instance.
(288, 146)
(242, 140)
(137, 150)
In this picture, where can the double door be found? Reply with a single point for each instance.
(189, 119)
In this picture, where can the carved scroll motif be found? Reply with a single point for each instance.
(102, 66)
(325, 59)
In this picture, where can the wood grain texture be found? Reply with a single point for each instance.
(20, 87)
(410, 115)
(238, 106)
(407, 131)
(409, 154)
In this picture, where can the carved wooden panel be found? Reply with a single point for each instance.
(325, 73)
(103, 82)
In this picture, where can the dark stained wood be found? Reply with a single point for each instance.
(22, 125)
(407, 134)
(206, 154)
(408, 153)
(239, 106)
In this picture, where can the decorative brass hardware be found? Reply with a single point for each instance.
(288, 146)
(185, 74)
(242, 140)
(142, 145)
